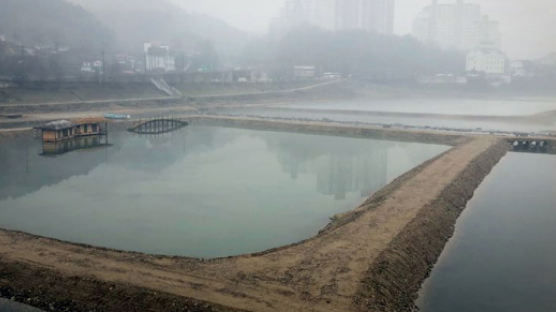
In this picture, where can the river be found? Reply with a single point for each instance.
(502, 256)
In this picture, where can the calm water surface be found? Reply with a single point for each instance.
(202, 191)
(503, 255)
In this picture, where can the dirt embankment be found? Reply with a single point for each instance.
(372, 259)
(330, 128)
(395, 277)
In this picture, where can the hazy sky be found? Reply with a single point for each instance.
(527, 25)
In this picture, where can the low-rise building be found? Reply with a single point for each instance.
(487, 60)
(522, 69)
(91, 67)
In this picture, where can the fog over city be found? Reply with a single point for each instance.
(526, 25)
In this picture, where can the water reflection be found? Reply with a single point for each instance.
(25, 170)
(75, 144)
(201, 191)
(339, 169)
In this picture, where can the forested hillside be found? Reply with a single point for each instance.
(51, 23)
(137, 21)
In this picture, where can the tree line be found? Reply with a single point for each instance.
(354, 52)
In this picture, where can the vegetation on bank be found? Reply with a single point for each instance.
(51, 39)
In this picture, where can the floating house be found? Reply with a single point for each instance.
(61, 130)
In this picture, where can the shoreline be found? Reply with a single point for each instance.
(273, 96)
(333, 271)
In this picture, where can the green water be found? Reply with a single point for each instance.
(200, 192)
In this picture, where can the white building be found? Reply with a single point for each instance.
(456, 25)
(158, 58)
(372, 15)
(92, 67)
(487, 60)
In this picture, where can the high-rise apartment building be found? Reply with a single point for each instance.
(348, 14)
(457, 25)
(377, 16)
(371, 15)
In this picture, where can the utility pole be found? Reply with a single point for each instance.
(22, 60)
(145, 53)
(103, 66)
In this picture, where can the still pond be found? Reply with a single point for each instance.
(199, 192)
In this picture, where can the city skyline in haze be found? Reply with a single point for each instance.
(525, 25)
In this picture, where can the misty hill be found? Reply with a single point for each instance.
(51, 23)
(137, 21)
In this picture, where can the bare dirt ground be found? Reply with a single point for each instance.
(330, 128)
(324, 273)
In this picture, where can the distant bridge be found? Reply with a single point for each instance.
(158, 126)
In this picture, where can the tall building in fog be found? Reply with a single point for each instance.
(378, 16)
(320, 13)
(371, 15)
(347, 14)
(457, 25)
(295, 13)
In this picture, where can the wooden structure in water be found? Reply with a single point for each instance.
(62, 130)
(158, 126)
